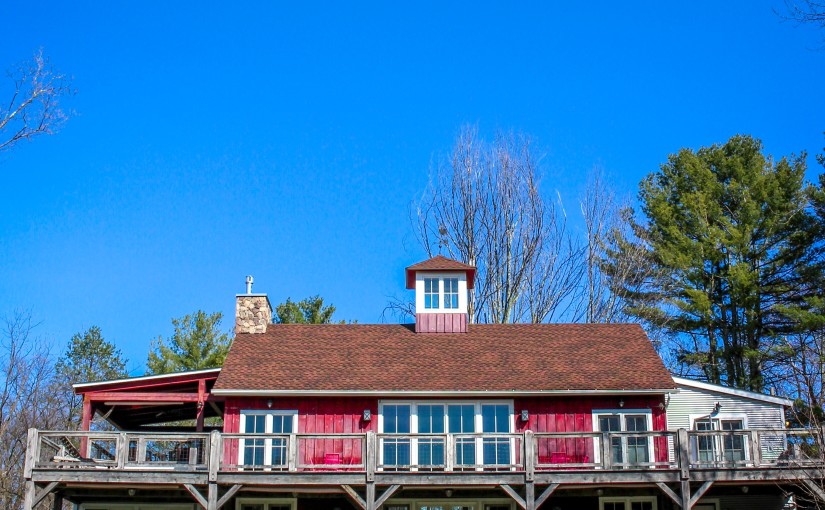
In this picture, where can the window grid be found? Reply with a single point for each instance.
(451, 293)
(431, 293)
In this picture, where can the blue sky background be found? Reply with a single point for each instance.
(214, 140)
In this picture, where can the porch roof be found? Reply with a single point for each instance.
(138, 402)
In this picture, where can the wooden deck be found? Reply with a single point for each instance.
(369, 468)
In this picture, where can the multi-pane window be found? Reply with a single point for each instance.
(426, 424)
(431, 293)
(397, 421)
(627, 449)
(632, 503)
(431, 421)
(462, 421)
(495, 419)
(727, 446)
(451, 293)
(257, 504)
(254, 449)
(266, 451)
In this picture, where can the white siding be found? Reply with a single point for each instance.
(698, 402)
(690, 403)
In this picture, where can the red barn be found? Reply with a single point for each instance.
(441, 414)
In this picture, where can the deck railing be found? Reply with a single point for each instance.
(532, 452)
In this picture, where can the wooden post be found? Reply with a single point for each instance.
(28, 502)
(292, 453)
(201, 406)
(370, 499)
(683, 443)
(212, 497)
(57, 504)
(32, 454)
(756, 452)
(214, 456)
(607, 451)
(449, 444)
(685, 495)
(530, 496)
(372, 456)
(529, 456)
(122, 450)
(85, 424)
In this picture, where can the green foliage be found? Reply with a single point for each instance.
(88, 358)
(196, 344)
(732, 241)
(307, 311)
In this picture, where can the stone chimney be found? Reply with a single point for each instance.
(253, 312)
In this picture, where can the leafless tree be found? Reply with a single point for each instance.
(32, 107)
(484, 207)
(805, 11)
(27, 399)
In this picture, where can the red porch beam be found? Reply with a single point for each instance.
(136, 396)
(85, 424)
(201, 405)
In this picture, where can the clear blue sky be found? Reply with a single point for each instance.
(215, 140)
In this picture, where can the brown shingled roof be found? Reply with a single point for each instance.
(488, 358)
(440, 263)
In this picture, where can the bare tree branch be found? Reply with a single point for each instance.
(33, 108)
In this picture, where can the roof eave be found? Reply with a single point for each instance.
(419, 393)
(752, 395)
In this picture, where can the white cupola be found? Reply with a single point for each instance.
(441, 292)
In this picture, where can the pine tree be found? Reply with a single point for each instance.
(196, 344)
(732, 239)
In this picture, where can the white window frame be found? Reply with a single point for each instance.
(627, 500)
(292, 502)
(622, 412)
(269, 414)
(444, 293)
(438, 293)
(420, 290)
(718, 418)
(478, 423)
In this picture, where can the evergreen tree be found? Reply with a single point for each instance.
(196, 344)
(732, 240)
(307, 311)
(88, 358)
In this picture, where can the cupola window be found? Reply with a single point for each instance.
(431, 293)
(451, 293)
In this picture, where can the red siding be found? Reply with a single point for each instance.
(315, 416)
(575, 414)
(344, 415)
(441, 323)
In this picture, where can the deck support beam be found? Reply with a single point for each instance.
(670, 493)
(699, 493)
(226, 497)
(515, 495)
(370, 493)
(33, 497)
(191, 489)
(392, 489)
(685, 495)
(355, 497)
(815, 489)
(546, 494)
